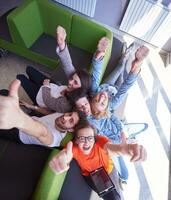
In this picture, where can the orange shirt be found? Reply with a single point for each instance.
(98, 157)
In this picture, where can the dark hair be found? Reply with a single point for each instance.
(76, 94)
(83, 123)
(85, 78)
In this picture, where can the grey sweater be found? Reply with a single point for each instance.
(60, 104)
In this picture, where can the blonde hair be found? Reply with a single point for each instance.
(100, 114)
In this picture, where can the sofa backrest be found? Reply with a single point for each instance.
(53, 15)
(85, 34)
(25, 24)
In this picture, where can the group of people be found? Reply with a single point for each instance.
(83, 107)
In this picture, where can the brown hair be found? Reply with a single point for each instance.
(83, 123)
(85, 78)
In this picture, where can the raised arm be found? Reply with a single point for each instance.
(12, 116)
(60, 163)
(135, 151)
(97, 63)
(63, 52)
(118, 98)
(59, 104)
(135, 69)
(43, 111)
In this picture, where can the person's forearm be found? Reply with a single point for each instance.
(66, 61)
(34, 128)
(44, 111)
(117, 148)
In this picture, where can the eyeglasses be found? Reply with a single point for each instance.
(84, 139)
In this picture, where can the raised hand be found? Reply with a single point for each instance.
(46, 82)
(10, 112)
(141, 53)
(60, 37)
(60, 162)
(135, 150)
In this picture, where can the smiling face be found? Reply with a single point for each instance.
(83, 105)
(67, 121)
(85, 139)
(74, 82)
(99, 103)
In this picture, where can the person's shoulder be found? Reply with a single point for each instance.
(101, 140)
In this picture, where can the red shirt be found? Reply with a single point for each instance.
(98, 157)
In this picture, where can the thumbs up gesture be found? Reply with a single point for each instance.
(60, 162)
(10, 112)
(135, 150)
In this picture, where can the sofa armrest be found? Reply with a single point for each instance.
(25, 24)
(50, 184)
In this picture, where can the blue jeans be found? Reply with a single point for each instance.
(120, 166)
(118, 75)
(32, 84)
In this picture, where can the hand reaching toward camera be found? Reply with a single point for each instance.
(60, 163)
(10, 112)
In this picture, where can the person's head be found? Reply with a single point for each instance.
(85, 136)
(79, 99)
(99, 104)
(67, 121)
(82, 104)
(80, 78)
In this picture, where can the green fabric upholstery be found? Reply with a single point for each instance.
(52, 16)
(50, 184)
(66, 139)
(85, 35)
(25, 24)
(37, 17)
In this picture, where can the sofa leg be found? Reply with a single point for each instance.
(3, 52)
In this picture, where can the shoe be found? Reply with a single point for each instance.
(122, 184)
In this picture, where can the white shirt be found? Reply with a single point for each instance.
(55, 92)
(49, 122)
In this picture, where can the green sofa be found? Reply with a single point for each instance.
(30, 32)
(32, 28)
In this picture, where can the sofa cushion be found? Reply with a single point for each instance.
(45, 45)
(20, 168)
(75, 187)
(25, 24)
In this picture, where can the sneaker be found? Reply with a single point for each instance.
(122, 184)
